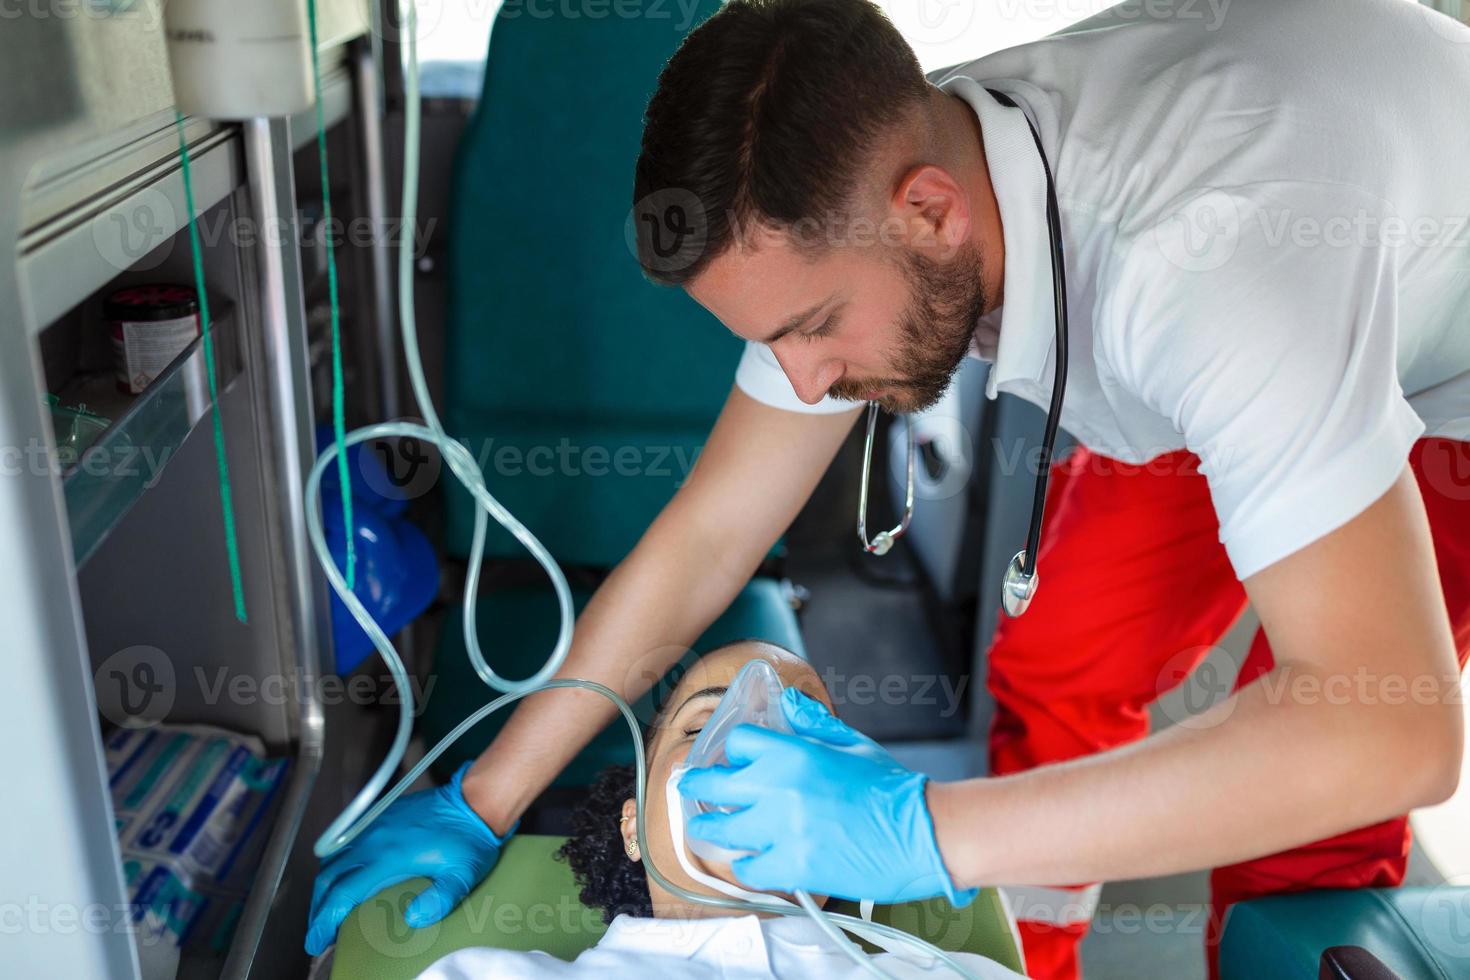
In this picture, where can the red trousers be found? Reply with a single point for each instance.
(1136, 590)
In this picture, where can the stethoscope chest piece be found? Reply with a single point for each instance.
(883, 541)
(1018, 586)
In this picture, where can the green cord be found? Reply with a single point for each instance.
(226, 498)
(339, 427)
(339, 423)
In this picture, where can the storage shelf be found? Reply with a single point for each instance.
(94, 202)
(146, 430)
(77, 252)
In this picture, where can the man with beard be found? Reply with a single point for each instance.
(1270, 377)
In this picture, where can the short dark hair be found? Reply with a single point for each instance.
(767, 113)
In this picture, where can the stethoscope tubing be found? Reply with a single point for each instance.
(1059, 319)
(1027, 570)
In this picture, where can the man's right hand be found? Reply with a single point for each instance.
(431, 834)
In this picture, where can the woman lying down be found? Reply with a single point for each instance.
(653, 933)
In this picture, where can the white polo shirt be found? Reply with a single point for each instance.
(1266, 220)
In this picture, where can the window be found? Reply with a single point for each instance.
(453, 37)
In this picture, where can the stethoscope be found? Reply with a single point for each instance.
(1019, 585)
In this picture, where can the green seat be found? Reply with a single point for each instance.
(589, 510)
(1416, 932)
(523, 625)
(530, 902)
(586, 389)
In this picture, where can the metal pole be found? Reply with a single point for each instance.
(286, 384)
(375, 170)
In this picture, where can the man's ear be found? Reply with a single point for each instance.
(628, 825)
(936, 210)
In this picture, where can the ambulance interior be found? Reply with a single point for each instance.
(584, 391)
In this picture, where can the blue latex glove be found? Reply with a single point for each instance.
(432, 834)
(827, 810)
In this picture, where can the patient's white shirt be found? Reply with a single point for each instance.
(691, 949)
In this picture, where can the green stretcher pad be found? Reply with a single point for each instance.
(529, 902)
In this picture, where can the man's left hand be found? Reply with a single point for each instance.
(827, 811)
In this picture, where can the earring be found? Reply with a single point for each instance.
(630, 846)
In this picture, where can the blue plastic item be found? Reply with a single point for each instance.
(368, 474)
(397, 570)
(397, 574)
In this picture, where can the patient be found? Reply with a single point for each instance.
(652, 931)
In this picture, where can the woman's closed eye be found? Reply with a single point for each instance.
(693, 725)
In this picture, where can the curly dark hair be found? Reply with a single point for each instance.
(606, 879)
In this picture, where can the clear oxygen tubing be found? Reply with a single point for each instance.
(363, 810)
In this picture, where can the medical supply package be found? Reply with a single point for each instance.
(192, 806)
